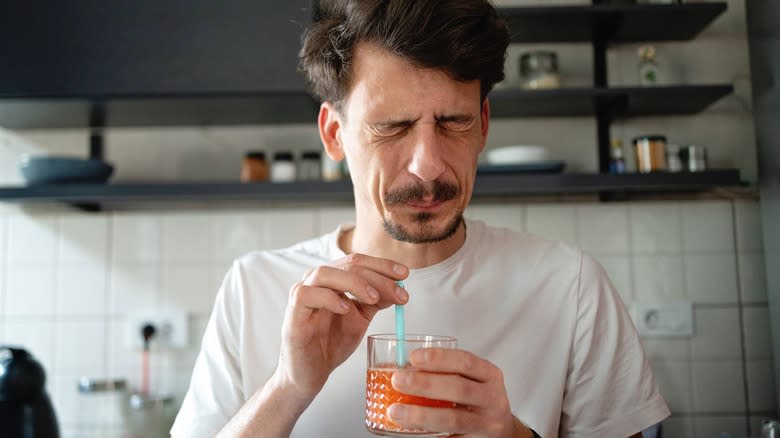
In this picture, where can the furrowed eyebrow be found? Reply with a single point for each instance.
(457, 118)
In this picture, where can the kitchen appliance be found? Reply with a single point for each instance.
(25, 408)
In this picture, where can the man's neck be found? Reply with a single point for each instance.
(375, 241)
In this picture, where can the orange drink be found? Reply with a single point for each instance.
(382, 364)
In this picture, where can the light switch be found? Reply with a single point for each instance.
(663, 320)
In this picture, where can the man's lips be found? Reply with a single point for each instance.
(425, 205)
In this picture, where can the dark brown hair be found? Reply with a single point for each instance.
(465, 38)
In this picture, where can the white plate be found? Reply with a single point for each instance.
(517, 154)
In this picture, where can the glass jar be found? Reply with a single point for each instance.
(283, 167)
(650, 153)
(648, 69)
(331, 170)
(673, 162)
(770, 428)
(539, 69)
(694, 158)
(309, 166)
(254, 167)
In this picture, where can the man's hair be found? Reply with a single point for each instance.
(464, 38)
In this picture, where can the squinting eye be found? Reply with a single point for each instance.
(455, 125)
(391, 131)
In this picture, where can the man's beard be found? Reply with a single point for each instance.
(424, 231)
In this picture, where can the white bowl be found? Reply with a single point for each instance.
(517, 154)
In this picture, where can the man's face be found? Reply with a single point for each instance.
(411, 138)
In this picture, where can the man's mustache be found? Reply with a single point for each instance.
(439, 192)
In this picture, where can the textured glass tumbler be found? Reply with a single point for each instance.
(384, 354)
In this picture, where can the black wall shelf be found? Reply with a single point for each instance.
(488, 185)
(621, 101)
(615, 23)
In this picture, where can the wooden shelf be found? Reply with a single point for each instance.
(615, 23)
(620, 101)
(487, 185)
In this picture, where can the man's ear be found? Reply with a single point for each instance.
(329, 123)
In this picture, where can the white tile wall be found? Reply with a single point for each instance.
(134, 287)
(81, 289)
(188, 238)
(748, 226)
(718, 386)
(656, 228)
(676, 426)
(659, 278)
(711, 278)
(191, 288)
(31, 239)
(30, 290)
(717, 334)
(69, 306)
(507, 216)
(80, 346)
(553, 222)
(758, 343)
(136, 238)
(752, 277)
(36, 335)
(83, 240)
(674, 382)
(603, 229)
(707, 226)
(761, 386)
(331, 218)
(711, 426)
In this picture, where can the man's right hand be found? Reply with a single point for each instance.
(323, 325)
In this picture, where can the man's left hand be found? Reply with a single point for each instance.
(473, 383)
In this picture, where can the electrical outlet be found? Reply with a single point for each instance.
(663, 320)
(170, 326)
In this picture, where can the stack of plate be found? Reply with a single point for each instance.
(520, 159)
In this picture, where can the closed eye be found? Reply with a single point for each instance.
(391, 129)
(456, 123)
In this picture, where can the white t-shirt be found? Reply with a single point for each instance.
(543, 312)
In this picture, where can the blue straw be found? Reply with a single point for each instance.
(400, 329)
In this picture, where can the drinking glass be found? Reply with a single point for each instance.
(386, 354)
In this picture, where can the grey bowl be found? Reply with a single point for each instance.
(59, 170)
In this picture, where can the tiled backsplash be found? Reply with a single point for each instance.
(68, 280)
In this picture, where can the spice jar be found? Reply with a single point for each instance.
(254, 167)
(539, 69)
(283, 167)
(673, 163)
(309, 166)
(650, 153)
(694, 158)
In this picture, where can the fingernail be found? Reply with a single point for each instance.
(344, 305)
(402, 294)
(396, 411)
(373, 293)
(399, 269)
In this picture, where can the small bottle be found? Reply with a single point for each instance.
(309, 166)
(254, 167)
(648, 69)
(673, 162)
(283, 167)
(617, 164)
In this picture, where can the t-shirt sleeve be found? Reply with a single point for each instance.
(215, 394)
(610, 388)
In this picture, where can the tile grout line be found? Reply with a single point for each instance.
(109, 262)
(740, 316)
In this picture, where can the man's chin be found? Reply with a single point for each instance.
(423, 228)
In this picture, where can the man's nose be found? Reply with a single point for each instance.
(427, 156)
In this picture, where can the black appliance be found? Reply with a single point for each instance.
(25, 408)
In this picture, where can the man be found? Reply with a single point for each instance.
(546, 345)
